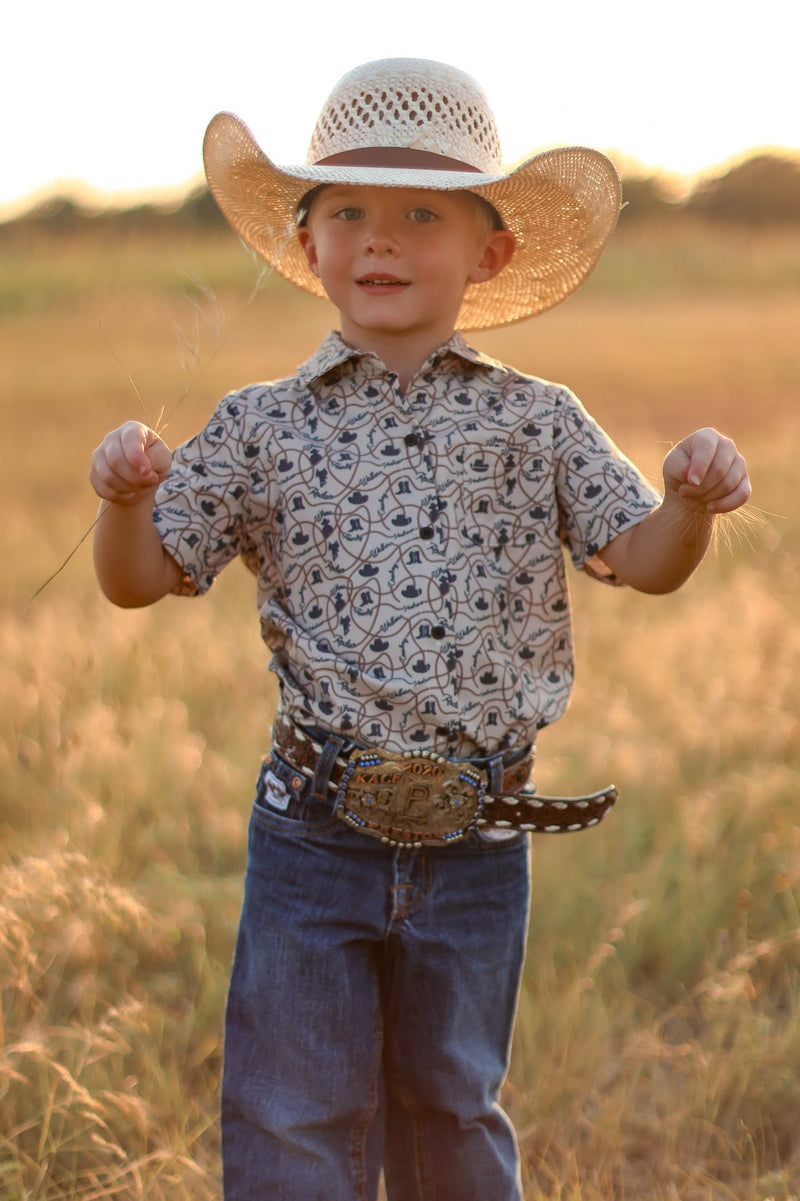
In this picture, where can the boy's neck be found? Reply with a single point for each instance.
(403, 354)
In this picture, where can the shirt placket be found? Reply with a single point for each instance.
(433, 631)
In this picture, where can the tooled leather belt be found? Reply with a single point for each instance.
(420, 798)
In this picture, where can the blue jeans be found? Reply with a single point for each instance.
(370, 1011)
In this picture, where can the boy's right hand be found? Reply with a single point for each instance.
(129, 464)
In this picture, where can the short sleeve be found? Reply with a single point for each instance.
(600, 492)
(200, 510)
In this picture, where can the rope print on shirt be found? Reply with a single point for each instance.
(407, 548)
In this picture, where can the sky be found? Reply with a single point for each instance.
(116, 97)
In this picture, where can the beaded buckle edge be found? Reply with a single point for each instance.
(416, 798)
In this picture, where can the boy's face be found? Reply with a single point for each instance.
(396, 261)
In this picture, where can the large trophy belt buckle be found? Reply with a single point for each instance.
(410, 799)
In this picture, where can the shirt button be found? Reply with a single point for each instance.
(410, 439)
(438, 632)
(426, 531)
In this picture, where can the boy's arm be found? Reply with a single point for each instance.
(132, 566)
(704, 475)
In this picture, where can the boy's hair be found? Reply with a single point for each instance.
(304, 208)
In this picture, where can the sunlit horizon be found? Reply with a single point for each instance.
(91, 198)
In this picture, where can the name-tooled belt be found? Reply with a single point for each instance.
(418, 798)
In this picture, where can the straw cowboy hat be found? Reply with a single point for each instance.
(411, 123)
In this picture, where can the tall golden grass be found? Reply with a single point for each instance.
(658, 1040)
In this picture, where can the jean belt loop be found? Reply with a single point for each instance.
(494, 768)
(325, 763)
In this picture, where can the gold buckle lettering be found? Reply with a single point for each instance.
(410, 799)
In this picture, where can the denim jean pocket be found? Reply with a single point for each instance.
(283, 794)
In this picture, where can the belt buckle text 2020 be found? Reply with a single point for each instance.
(410, 799)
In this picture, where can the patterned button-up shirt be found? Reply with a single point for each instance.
(407, 547)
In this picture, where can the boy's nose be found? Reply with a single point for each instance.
(380, 238)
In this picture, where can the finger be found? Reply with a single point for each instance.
(108, 488)
(108, 484)
(737, 492)
(703, 449)
(723, 474)
(134, 441)
(160, 457)
(724, 471)
(124, 465)
(120, 470)
(147, 451)
(724, 495)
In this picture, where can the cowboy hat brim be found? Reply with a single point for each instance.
(561, 205)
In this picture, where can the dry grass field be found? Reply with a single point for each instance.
(658, 1048)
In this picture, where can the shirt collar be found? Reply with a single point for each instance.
(334, 351)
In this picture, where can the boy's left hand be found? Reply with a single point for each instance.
(707, 469)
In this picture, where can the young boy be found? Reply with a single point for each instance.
(403, 502)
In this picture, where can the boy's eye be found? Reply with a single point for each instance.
(422, 215)
(348, 213)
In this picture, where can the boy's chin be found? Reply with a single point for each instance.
(389, 319)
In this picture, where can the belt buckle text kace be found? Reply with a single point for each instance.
(410, 799)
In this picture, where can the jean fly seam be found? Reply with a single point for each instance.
(414, 895)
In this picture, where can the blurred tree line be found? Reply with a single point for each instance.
(761, 190)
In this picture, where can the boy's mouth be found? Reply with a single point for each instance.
(374, 282)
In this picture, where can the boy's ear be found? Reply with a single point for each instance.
(307, 242)
(497, 254)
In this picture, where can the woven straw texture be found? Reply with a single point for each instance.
(561, 205)
(413, 103)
